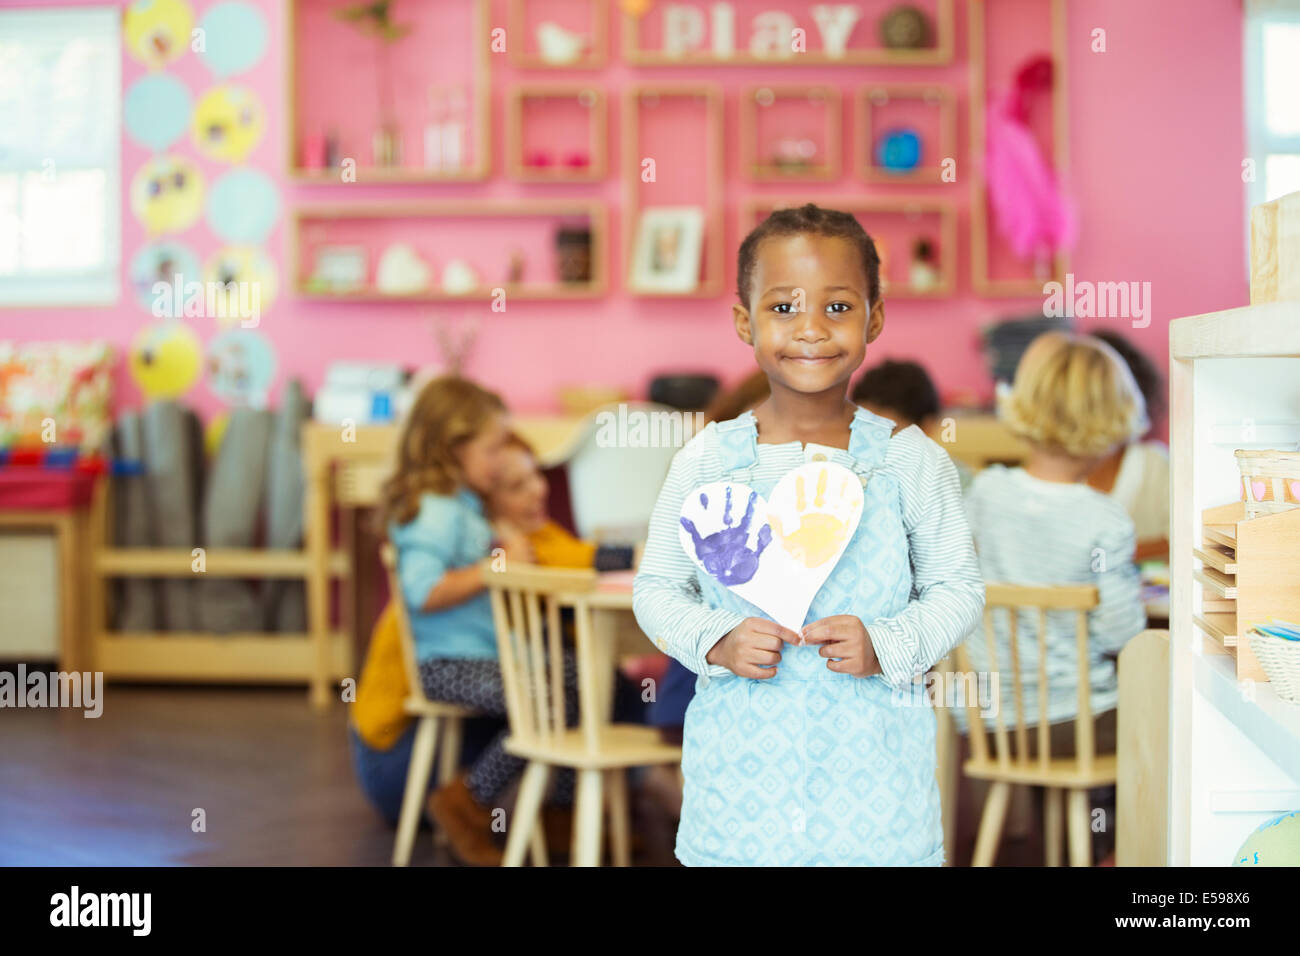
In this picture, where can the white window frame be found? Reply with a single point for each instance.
(1260, 141)
(103, 286)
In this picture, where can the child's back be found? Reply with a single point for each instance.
(1031, 531)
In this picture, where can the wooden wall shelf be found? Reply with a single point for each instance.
(517, 36)
(984, 284)
(477, 113)
(941, 53)
(591, 211)
(587, 96)
(944, 209)
(933, 96)
(714, 264)
(756, 98)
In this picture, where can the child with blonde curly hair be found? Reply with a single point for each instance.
(1074, 401)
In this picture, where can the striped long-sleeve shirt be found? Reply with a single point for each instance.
(947, 591)
(1031, 531)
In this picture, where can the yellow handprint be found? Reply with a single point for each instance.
(819, 533)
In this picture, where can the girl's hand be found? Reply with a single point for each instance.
(752, 648)
(516, 544)
(843, 636)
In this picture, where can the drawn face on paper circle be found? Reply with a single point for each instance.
(228, 122)
(167, 194)
(241, 367)
(156, 32)
(246, 284)
(165, 359)
(162, 262)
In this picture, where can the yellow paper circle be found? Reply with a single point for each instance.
(228, 122)
(167, 194)
(157, 31)
(165, 359)
(244, 283)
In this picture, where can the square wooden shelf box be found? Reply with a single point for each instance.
(757, 102)
(938, 132)
(579, 115)
(1249, 572)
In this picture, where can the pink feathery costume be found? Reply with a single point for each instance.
(1030, 211)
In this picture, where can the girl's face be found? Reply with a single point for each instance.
(521, 492)
(812, 345)
(481, 457)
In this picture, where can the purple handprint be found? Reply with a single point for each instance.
(724, 553)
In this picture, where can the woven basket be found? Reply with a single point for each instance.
(1280, 659)
(1271, 480)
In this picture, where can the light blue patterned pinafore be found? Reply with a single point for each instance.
(812, 767)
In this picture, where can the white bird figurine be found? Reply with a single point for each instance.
(558, 45)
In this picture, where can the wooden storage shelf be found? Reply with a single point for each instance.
(589, 97)
(1234, 744)
(218, 562)
(278, 658)
(591, 212)
(985, 284)
(477, 105)
(941, 97)
(521, 56)
(943, 23)
(756, 98)
(713, 266)
(945, 210)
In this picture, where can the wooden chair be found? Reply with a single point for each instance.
(438, 729)
(526, 604)
(1012, 764)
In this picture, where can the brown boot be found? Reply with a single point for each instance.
(467, 824)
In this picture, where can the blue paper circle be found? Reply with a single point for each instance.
(234, 37)
(899, 150)
(241, 367)
(162, 262)
(243, 206)
(156, 110)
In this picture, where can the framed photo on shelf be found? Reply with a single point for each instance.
(666, 255)
(339, 269)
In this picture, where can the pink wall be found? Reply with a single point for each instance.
(1157, 142)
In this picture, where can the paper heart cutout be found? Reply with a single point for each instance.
(776, 553)
(1295, 490)
(1260, 489)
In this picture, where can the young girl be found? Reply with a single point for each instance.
(1074, 402)
(802, 747)
(450, 455)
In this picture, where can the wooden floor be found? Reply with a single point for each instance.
(273, 778)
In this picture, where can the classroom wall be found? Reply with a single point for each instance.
(1157, 134)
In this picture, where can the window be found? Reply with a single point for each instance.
(60, 145)
(1272, 60)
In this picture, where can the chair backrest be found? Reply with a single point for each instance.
(409, 660)
(1013, 599)
(526, 604)
(618, 468)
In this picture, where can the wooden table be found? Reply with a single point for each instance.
(69, 528)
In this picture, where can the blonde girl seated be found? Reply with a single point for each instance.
(1074, 401)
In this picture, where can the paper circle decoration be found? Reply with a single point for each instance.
(1275, 843)
(156, 32)
(241, 367)
(156, 110)
(246, 284)
(162, 262)
(165, 359)
(167, 194)
(228, 122)
(234, 37)
(243, 205)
